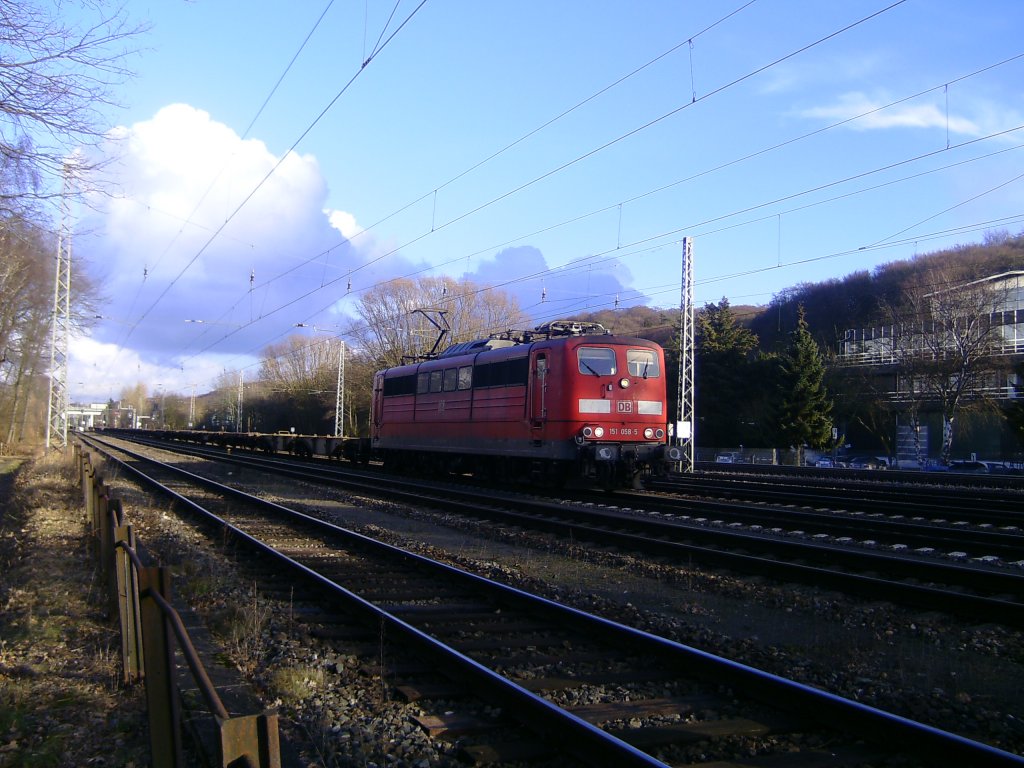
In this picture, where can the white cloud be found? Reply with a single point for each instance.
(204, 225)
(866, 113)
(98, 371)
(345, 223)
(856, 68)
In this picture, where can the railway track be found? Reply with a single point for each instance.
(542, 663)
(785, 544)
(991, 507)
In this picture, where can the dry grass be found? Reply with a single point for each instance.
(61, 703)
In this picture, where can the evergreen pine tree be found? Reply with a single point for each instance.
(804, 409)
(723, 375)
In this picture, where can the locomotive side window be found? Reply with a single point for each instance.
(435, 381)
(596, 361)
(466, 377)
(504, 373)
(450, 379)
(422, 383)
(642, 362)
(517, 372)
(400, 385)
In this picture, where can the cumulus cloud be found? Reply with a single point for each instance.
(206, 226)
(345, 223)
(214, 247)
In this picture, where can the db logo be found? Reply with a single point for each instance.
(624, 406)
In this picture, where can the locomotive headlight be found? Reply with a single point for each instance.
(659, 433)
(588, 432)
(624, 383)
(649, 434)
(598, 431)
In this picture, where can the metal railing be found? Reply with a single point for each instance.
(151, 630)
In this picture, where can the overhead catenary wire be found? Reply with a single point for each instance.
(671, 289)
(565, 113)
(579, 158)
(665, 187)
(202, 198)
(380, 47)
(494, 155)
(618, 244)
(689, 227)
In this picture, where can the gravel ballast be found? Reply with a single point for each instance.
(925, 666)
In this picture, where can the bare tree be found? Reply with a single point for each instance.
(299, 381)
(136, 397)
(946, 345)
(26, 290)
(56, 79)
(396, 316)
(299, 364)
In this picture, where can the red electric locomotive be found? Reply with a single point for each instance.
(565, 401)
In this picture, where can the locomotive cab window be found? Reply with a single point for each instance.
(596, 361)
(466, 377)
(643, 363)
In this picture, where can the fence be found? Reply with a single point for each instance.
(151, 630)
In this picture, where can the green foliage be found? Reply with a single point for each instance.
(725, 386)
(804, 407)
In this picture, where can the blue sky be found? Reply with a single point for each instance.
(556, 149)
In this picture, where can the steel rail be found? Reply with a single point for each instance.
(594, 744)
(997, 507)
(573, 733)
(605, 526)
(837, 521)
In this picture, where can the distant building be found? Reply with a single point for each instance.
(121, 416)
(87, 416)
(992, 315)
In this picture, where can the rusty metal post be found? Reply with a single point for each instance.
(87, 491)
(83, 469)
(249, 740)
(105, 531)
(97, 494)
(157, 654)
(128, 605)
(115, 518)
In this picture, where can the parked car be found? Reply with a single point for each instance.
(972, 467)
(867, 462)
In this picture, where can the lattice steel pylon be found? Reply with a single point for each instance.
(339, 395)
(685, 416)
(60, 325)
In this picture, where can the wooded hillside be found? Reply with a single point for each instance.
(858, 300)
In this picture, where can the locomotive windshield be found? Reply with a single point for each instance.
(642, 362)
(596, 361)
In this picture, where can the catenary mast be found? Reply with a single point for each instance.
(60, 324)
(685, 421)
